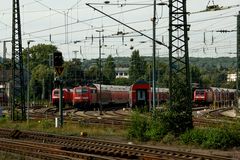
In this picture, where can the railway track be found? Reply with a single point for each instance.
(72, 146)
(120, 119)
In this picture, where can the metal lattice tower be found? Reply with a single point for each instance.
(180, 86)
(18, 93)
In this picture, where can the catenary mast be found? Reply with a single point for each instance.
(17, 84)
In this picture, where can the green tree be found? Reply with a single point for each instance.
(195, 75)
(73, 73)
(92, 73)
(122, 81)
(39, 54)
(137, 67)
(109, 69)
(162, 74)
(41, 82)
(41, 73)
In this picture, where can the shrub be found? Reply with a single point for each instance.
(219, 138)
(193, 136)
(138, 127)
(175, 122)
(212, 138)
(168, 138)
(155, 131)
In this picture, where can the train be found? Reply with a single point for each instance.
(214, 96)
(138, 94)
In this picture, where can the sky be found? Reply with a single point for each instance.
(74, 27)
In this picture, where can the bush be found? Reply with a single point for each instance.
(175, 122)
(168, 138)
(212, 138)
(219, 138)
(193, 136)
(138, 127)
(155, 131)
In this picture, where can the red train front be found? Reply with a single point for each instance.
(67, 96)
(84, 96)
(200, 95)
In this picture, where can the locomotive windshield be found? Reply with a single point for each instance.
(56, 92)
(200, 92)
(81, 90)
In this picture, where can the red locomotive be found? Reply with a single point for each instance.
(90, 96)
(84, 96)
(67, 96)
(215, 96)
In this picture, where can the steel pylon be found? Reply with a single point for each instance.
(17, 84)
(180, 86)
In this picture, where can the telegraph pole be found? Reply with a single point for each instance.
(28, 79)
(100, 72)
(75, 72)
(154, 59)
(238, 59)
(18, 91)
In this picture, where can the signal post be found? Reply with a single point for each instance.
(58, 65)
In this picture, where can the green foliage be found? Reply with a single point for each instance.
(3, 119)
(39, 54)
(163, 125)
(175, 122)
(73, 73)
(156, 130)
(122, 81)
(46, 124)
(137, 67)
(212, 138)
(169, 138)
(41, 81)
(109, 69)
(194, 136)
(195, 75)
(41, 74)
(92, 73)
(139, 126)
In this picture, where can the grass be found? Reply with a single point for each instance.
(11, 156)
(72, 129)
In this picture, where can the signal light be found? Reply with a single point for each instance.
(57, 59)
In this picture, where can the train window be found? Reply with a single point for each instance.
(78, 90)
(56, 92)
(141, 95)
(84, 90)
(200, 92)
(93, 91)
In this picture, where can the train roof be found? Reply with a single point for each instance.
(113, 87)
(161, 89)
(217, 89)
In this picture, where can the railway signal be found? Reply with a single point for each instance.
(57, 59)
(58, 65)
(58, 62)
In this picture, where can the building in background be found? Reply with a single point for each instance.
(122, 72)
(231, 77)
